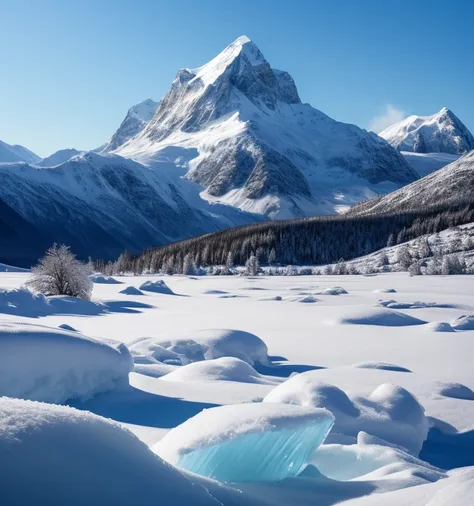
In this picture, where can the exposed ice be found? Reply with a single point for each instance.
(247, 442)
(56, 365)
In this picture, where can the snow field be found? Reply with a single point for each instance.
(393, 390)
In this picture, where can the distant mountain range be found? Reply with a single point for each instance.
(229, 144)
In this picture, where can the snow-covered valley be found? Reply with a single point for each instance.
(292, 341)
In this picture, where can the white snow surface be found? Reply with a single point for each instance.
(435, 368)
(56, 365)
(58, 455)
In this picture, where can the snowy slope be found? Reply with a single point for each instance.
(451, 184)
(102, 205)
(134, 122)
(60, 156)
(247, 139)
(16, 153)
(441, 133)
(426, 163)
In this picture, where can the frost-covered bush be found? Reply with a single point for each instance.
(415, 269)
(59, 272)
(452, 264)
(252, 266)
(404, 257)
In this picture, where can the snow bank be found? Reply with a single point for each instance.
(455, 390)
(464, 322)
(20, 301)
(390, 412)
(374, 316)
(202, 345)
(219, 369)
(55, 365)
(381, 366)
(131, 290)
(247, 442)
(438, 327)
(58, 455)
(104, 280)
(157, 286)
(334, 290)
(350, 462)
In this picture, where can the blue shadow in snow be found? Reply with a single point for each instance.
(131, 405)
(284, 370)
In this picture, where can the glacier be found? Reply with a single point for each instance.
(247, 442)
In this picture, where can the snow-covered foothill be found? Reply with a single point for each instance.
(390, 412)
(57, 365)
(131, 290)
(157, 286)
(247, 442)
(464, 322)
(374, 316)
(57, 455)
(103, 279)
(219, 369)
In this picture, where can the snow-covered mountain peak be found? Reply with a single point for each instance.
(442, 132)
(135, 121)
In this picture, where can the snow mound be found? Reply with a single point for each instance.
(233, 343)
(148, 351)
(274, 298)
(56, 365)
(215, 292)
(390, 413)
(201, 345)
(335, 290)
(303, 390)
(157, 370)
(438, 327)
(21, 301)
(104, 280)
(65, 326)
(350, 462)
(58, 455)
(375, 316)
(307, 299)
(383, 366)
(455, 390)
(219, 369)
(385, 290)
(158, 286)
(247, 442)
(464, 322)
(393, 304)
(131, 290)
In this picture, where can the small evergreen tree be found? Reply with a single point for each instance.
(252, 266)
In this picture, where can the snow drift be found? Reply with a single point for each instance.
(247, 442)
(56, 365)
(390, 412)
(57, 455)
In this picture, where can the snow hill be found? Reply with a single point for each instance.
(101, 205)
(61, 156)
(135, 121)
(16, 153)
(239, 129)
(452, 184)
(441, 133)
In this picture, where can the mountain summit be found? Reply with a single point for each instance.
(238, 128)
(443, 132)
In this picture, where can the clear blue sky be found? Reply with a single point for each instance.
(70, 69)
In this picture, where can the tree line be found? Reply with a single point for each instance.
(308, 241)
